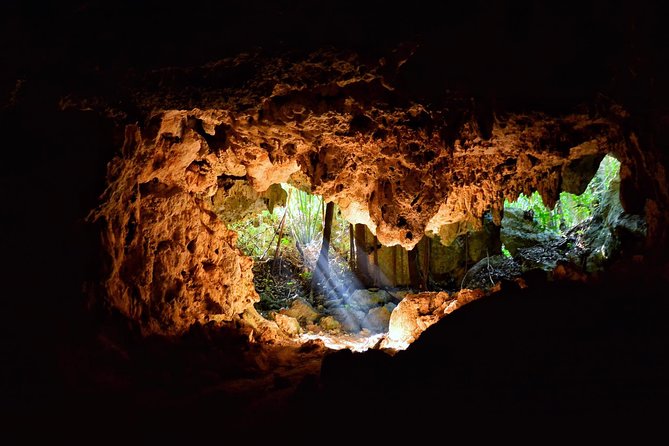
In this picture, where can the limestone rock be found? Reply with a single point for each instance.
(285, 126)
(364, 299)
(519, 230)
(599, 240)
(236, 200)
(260, 329)
(288, 324)
(302, 311)
(329, 323)
(171, 261)
(400, 167)
(542, 257)
(457, 242)
(414, 314)
(377, 320)
(577, 173)
(390, 306)
(490, 271)
(463, 297)
(350, 319)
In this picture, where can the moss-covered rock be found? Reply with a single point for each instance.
(519, 230)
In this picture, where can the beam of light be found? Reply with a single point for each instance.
(397, 338)
(353, 342)
(337, 288)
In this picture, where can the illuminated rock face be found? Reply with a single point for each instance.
(416, 312)
(172, 262)
(401, 167)
(413, 315)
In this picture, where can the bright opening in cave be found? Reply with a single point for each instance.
(347, 294)
(585, 231)
(338, 295)
(571, 209)
(146, 183)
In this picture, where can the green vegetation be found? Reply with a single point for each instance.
(303, 226)
(570, 209)
(299, 223)
(305, 215)
(506, 252)
(255, 236)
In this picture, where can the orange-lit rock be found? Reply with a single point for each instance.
(416, 312)
(401, 167)
(171, 261)
(302, 311)
(288, 324)
(377, 319)
(413, 315)
(463, 297)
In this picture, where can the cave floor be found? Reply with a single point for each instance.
(592, 350)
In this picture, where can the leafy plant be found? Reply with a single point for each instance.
(570, 209)
(506, 252)
(304, 224)
(304, 215)
(255, 235)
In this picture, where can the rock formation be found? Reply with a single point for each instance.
(402, 168)
(427, 119)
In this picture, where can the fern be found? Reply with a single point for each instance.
(570, 209)
(305, 218)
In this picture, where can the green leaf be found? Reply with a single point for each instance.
(570, 209)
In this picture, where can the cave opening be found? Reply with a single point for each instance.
(571, 209)
(131, 305)
(584, 231)
(228, 233)
(422, 189)
(349, 301)
(343, 297)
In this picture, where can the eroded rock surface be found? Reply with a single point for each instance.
(519, 230)
(414, 314)
(399, 166)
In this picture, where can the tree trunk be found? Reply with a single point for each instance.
(361, 259)
(351, 247)
(377, 271)
(275, 263)
(322, 270)
(425, 269)
(414, 273)
(394, 280)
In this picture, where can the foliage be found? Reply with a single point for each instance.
(278, 287)
(570, 209)
(305, 220)
(506, 252)
(304, 224)
(305, 216)
(255, 235)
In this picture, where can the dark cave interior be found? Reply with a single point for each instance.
(411, 119)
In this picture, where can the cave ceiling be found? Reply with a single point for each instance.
(402, 166)
(130, 128)
(409, 119)
(398, 165)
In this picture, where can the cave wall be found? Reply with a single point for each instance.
(400, 167)
(438, 259)
(171, 261)
(77, 72)
(235, 200)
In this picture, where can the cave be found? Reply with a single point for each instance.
(138, 137)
